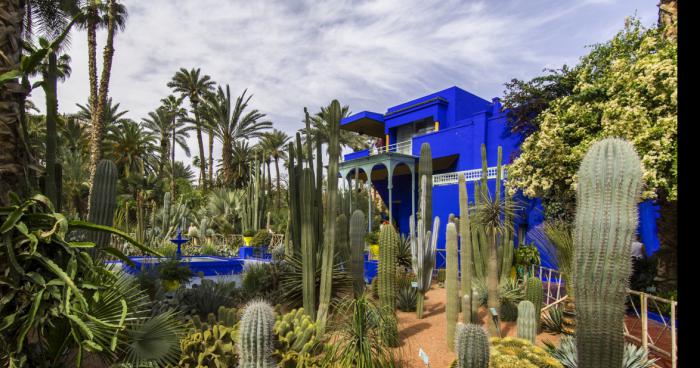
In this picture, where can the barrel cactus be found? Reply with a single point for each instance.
(527, 325)
(609, 186)
(472, 346)
(255, 336)
(534, 293)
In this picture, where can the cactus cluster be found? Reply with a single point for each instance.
(423, 246)
(527, 324)
(511, 352)
(609, 187)
(225, 316)
(297, 344)
(255, 336)
(213, 346)
(472, 346)
(254, 203)
(103, 201)
(358, 230)
(451, 284)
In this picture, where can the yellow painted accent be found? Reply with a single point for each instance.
(374, 250)
(437, 126)
(387, 143)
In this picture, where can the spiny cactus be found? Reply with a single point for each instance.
(343, 251)
(358, 229)
(510, 352)
(297, 341)
(472, 346)
(451, 284)
(527, 325)
(465, 237)
(609, 186)
(535, 294)
(103, 201)
(388, 250)
(508, 312)
(255, 336)
(210, 347)
(425, 169)
(423, 245)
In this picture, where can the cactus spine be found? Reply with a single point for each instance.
(610, 179)
(255, 336)
(425, 168)
(535, 294)
(103, 201)
(451, 284)
(334, 115)
(465, 237)
(388, 250)
(472, 346)
(423, 245)
(527, 324)
(358, 229)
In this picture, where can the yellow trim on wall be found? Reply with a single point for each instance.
(437, 126)
(387, 143)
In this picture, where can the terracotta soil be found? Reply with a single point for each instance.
(430, 334)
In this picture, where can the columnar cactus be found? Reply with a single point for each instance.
(425, 169)
(423, 245)
(388, 251)
(535, 294)
(527, 324)
(472, 346)
(343, 251)
(358, 229)
(255, 336)
(609, 185)
(103, 201)
(465, 238)
(451, 284)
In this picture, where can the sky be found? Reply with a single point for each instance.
(370, 55)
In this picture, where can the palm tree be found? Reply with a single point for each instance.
(75, 170)
(320, 130)
(111, 112)
(229, 124)
(115, 18)
(179, 130)
(13, 154)
(131, 148)
(275, 143)
(189, 83)
(241, 155)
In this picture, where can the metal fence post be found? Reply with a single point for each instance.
(673, 335)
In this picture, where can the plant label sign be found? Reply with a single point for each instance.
(414, 284)
(423, 356)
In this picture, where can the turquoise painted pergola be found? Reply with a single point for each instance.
(390, 160)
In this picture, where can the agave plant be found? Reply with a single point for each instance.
(552, 320)
(566, 353)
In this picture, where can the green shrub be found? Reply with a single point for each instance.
(172, 270)
(406, 299)
(372, 238)
(508, 312)
(261, 239)
(257, 279)
(248, 232)
(525, 257)
(441, 275)
(566, 353)
(207, 297)
(552, 320)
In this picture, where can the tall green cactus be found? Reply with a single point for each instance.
(465, 237)
(609, 186)
(255, 336)
(451, 284)
(388, 251)
(423, 246)
(527, 322)
(103, 201)
(358, 230)
(425, 169)
(334, 114)
(343, 251)
(308, 239)
(472, 346)
(535, 294)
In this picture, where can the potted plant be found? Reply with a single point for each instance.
(248, 236)
(373, 241)
(172, 274)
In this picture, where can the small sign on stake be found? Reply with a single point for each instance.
(414, 284)
(424, 356)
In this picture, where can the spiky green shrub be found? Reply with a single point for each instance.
(509, 291)
(566, 353)
(207, 297)
(610, 179)
(261, 239)
(510, 352)
(297, 344)
(472, 346)
(527, 324)
(406, 299)
(255, 335)
(553, 321)
(534, 293)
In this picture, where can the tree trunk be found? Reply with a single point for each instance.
(202, 157)
(226, 161)
(279, 188)
(12, 155)
(51, 112)
(172, 167)
(96, 134)
(98, 114)
(211, 157)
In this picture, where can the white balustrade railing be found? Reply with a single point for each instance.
(469, 175)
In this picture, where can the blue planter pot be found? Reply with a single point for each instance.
(245, 252)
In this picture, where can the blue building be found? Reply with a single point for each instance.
(455, 123)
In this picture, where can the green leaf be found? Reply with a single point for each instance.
(11, 254)
(84, 329)
(56, 270)
(117, 253)
(13, 218)
(8, 76)
(90, 226)
(30, 319)
(81, 244)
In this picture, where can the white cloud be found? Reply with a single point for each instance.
(370, 55)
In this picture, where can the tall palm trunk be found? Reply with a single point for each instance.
(202, 157)
(277, 175)
(51, 112)
(226, 155)
(98, 114)
(211, 157)
(172, 167)
(96, 136)
(12, 154)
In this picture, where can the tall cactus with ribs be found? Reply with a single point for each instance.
(103, 202)
(609, 186)
(451, 284)
(358, 230)
(465, 253)
(423, 245)
(254, 199)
